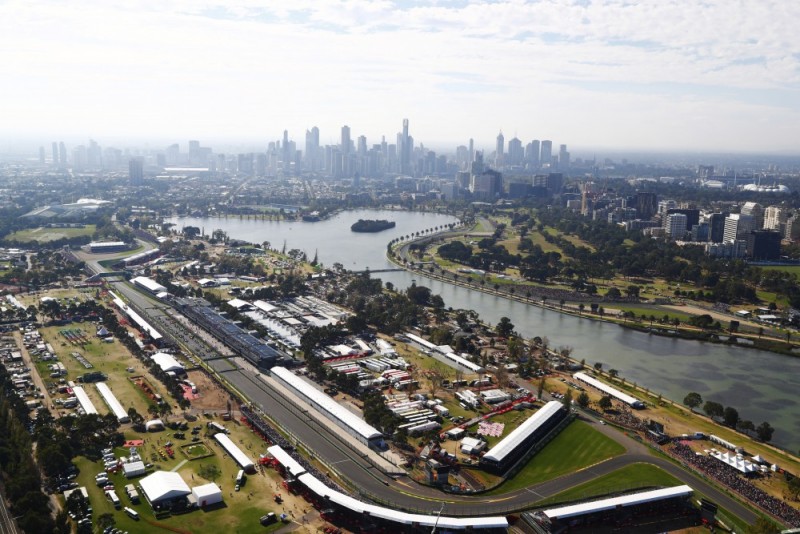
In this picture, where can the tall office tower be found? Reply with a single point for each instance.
(462, 157)
(136, 171)
(362, 146)
(41, 155)
(774, 217)
(676, 225)
(515, 152)
(62, 154)
(737, 226)
(173, 153)
(646, 204)
(194, 152)
(716, 224)
(757, 211)
(563, 158)
(261, 164)
(532, 155)
(764, 245)
(312, 149)
(405, 150)
(286, 152)
(93, 155)
(55, 153)
(471, 152)
(546, 159)
(499, 151)
(345, 143)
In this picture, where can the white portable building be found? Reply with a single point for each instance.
(207, 494)
(133, 469)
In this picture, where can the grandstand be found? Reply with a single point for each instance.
(622, 511)
(289, 464)
(605, 388)
(447, 356)
(236, 453)
(361, 511)
(143, 325)
(514, 446)
(337, 413)
(254, 350)
(113, 404)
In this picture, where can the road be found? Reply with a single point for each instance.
(7, 524)
(334, 451)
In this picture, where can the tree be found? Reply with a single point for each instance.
(731, 416)
(713, 409)
(504, 327)
(540, 389)
(632, 291)
(583, 399)
(794, 486)
(598, 366)
(765, 431)
(605, 402)
(581, 307)
(613, 373)
(693, 400)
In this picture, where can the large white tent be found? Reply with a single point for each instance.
(164, 486)
(207, 494)
(167, 362)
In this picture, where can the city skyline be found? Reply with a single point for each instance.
(613, 75)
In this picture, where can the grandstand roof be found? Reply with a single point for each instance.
(605, 388)
(440, 522)
(149, 284)
(336, 410)
(241, 458)
(285, 459)
(614, 502)
(508, 444)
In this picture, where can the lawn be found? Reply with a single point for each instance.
(628, 478)
(793, 269)
(578, 446)
(43, 234)
(648, 311)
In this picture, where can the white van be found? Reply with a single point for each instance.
(111, 495)
(133, 514)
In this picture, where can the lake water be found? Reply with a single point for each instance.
(761, 385)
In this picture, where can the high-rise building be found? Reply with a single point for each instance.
(716, 223)
(62, 154)
(312, 149)
(774, 217)
(646, 204)
(737, 226)
(499, 151)
(532, 154)
(563, 158)
(546, 157)
(757, 211)
(516, 154)
(405, 150)
(676, 225)
(136, 171)
(471, 152)
(792, 229)
(692, 216)
(764, 245)
(55, 153)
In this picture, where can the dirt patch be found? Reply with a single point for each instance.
(210, 396)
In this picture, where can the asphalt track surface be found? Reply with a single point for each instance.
(333, 450)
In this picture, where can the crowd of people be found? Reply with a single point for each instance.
(731, 478)
(274, 437)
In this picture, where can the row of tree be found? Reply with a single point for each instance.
(729, 416)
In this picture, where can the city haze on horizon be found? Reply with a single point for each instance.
(646, 78)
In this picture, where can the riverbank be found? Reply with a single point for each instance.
(681, 331)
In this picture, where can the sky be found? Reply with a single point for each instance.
(665, 75)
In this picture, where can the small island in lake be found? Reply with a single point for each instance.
(370, 225)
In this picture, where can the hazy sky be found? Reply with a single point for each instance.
(660, 74)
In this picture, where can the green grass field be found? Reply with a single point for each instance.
(793, 269)
(658, 313)
(628, 478)
(45, 235)
(578, 446)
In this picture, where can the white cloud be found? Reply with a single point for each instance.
(602, 72)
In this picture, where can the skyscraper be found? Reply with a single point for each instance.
(55, 153)
(136, 171)
(563, 158)
(515, 152)
(499, 150)
(405, 150)
(547, 153)
(62, 154)
(312, 149)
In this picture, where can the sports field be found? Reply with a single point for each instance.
(578, 446)
(43, 234)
